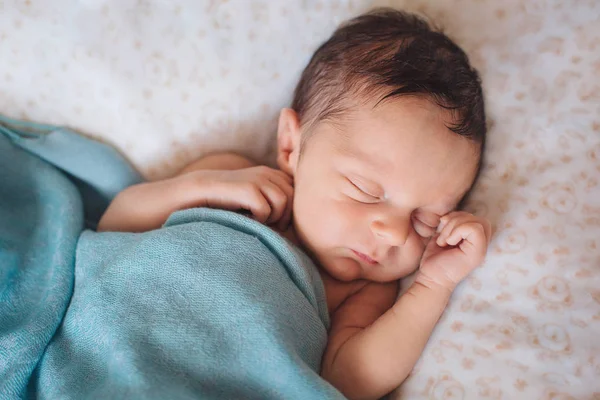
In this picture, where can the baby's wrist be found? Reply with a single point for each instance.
(439, 285)
(191, 188)
(434, 295)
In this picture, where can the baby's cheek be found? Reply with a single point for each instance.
(353, 218)
(319, 219)
(409, 258)
(415, 249)
(347, 209)
(337, 216)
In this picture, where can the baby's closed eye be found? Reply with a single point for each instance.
(361, 193)
(423, 229)
(425, 225)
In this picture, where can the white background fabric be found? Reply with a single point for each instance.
(166, 81)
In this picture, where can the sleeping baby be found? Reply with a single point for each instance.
(233, 280)
(382, 142)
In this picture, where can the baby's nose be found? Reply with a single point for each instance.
(394, 231)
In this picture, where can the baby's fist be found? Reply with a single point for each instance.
(458, 248)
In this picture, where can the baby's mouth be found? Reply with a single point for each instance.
(365, 258)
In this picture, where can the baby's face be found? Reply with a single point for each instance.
(369, 194)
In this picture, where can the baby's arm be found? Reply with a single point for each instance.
(370, 354)
(226, 181)
(374, 341)
(147, 206)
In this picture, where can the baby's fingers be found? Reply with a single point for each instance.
(449, 222)
(470, 237)
(255, 201)
(284, 222)
(285, 184)
(278, 200)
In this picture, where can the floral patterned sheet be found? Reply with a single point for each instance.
(166, 81)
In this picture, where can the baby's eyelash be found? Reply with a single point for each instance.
(430, 231)
(362, 190)
(427, 219)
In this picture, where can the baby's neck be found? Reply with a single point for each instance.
(290, 234)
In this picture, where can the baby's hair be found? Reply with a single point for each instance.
(385, 54)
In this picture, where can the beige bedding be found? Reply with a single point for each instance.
(167, 81)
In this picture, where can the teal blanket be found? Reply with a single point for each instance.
(212, 305)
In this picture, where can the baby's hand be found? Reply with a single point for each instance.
(457, 250)
(265, 192)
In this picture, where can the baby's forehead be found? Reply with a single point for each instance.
(406, 121)
(405, 146)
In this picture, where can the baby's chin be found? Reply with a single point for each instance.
(347, 269)
(343, 269)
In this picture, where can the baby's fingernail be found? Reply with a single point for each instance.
(442, 224)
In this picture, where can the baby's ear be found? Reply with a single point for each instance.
(288, 141)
